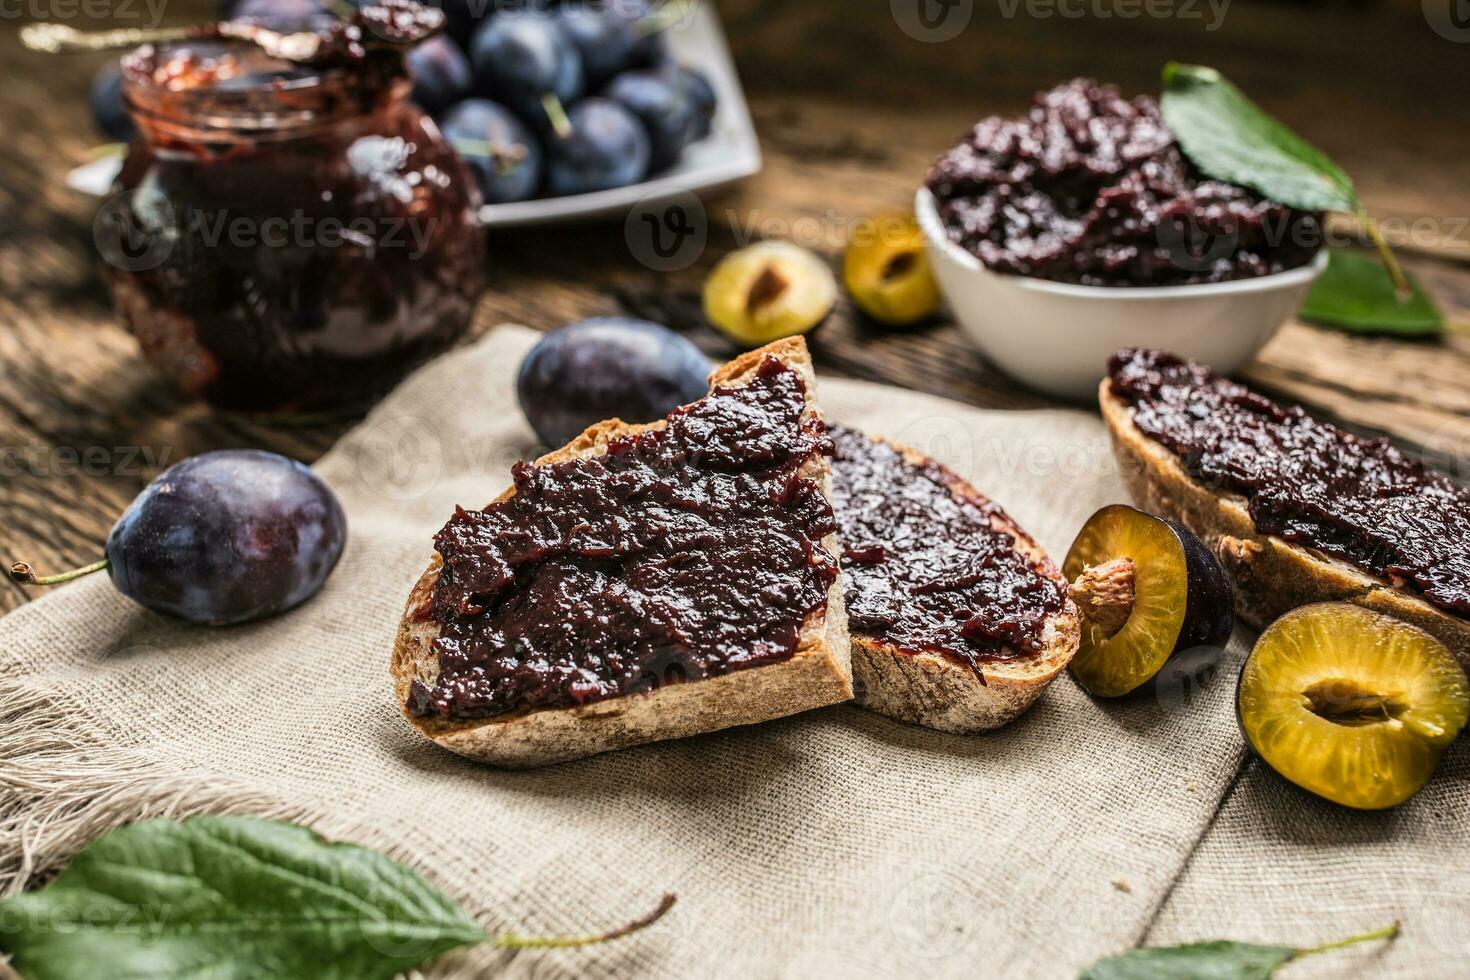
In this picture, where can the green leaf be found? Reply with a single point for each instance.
(1355, 293)
(1230, 138)
(1219, 959)
(229, 898)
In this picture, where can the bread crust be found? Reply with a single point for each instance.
(929, 689)
(817, 674)
(1272, 576)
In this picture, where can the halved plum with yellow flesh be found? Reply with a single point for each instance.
(1351, 704)
(1148, 589)
(767, 291)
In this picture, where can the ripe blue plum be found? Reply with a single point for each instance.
(524, 59)
(665, 112)
(441, 74)
(606, 147)
(223, 537)
(228, 536)
(503, 154)
(607, 367)
(108, 111)
(605, 35)
(695, 86)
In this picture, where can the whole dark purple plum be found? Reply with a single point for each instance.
(665, 111)
(608, 367)
(226, 537)
(108, 110)
(605, 34)
(525, 60)
(696, 87)
(441, 74)
(502, 153)
(607, 147)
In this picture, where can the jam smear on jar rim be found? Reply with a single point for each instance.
(681, 553)
(1306, 481)
(1091, 188)
(928, 570)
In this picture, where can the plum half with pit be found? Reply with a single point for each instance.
(886, 271)
(501, 151)
(1350, 704)
(603, 368)
(773, 289)
(605, 146)
(223, 537)
(1149, 590)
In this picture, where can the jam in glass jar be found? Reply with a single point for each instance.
(286, 237)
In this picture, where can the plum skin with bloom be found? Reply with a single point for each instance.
(227, 537)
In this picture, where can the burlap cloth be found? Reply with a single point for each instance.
(835, 843)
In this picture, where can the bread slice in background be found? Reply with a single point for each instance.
(1272, 576)
(818, 672)
(944, 692)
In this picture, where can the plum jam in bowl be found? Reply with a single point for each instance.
(1080, 228)
(1057, 337)
(284, 237)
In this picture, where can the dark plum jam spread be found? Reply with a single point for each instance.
(683, 553)
(1091, 188)
(1308, 482)
(927, 570)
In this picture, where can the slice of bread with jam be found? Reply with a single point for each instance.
(643, 582)
(959, 621)
(1297, 510)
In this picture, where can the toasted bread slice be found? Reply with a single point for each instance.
(1271, 576)
(945, 692)
(818, 672)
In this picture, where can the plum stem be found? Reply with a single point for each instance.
(662, 17)
(1387, 932)
(557, 113)
(1105, 594)
(21, 572)
(505, 157)
(562, 942)
(1403, 291)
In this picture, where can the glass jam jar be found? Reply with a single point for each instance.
(286, 237)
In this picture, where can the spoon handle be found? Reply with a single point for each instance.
(58, 38)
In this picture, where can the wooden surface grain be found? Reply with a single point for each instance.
(850, 111)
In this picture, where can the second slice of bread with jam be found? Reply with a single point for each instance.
(1297, 510)
(643, 582)
(959, 621)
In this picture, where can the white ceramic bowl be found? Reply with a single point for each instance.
(1057, 337)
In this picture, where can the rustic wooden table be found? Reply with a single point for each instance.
(850, 111)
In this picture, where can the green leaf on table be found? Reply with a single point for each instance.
(1215, 960)
(229, 897)
(1355, 293)
(1232, 139)
(1199, 961)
